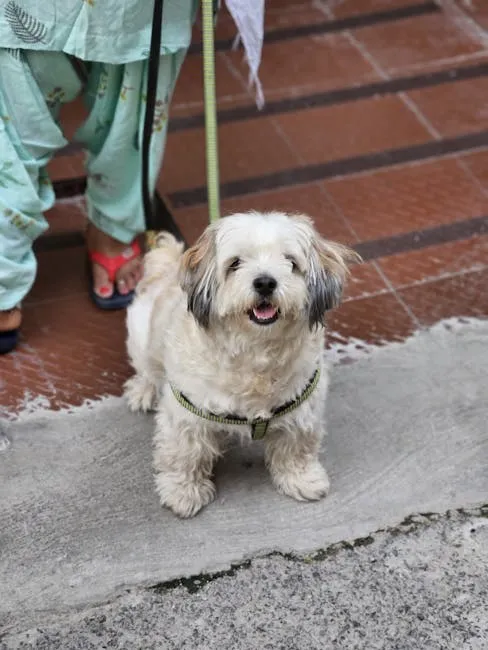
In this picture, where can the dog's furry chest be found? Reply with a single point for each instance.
(257, 387)
(255, 390)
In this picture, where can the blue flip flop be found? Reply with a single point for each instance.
(112, 265)
(8, 341)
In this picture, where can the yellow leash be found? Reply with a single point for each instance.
(211, 140)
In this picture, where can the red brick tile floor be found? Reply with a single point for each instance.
(376, 124)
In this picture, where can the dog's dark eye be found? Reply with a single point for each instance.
(235, 264)
(294, 265)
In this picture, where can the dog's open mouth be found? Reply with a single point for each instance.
(264, 314)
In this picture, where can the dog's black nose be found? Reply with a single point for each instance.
(265, 285)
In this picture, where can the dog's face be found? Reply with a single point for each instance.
(263, 269)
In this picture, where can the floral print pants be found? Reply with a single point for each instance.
(33, 86)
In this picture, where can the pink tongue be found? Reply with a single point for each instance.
(263, 313)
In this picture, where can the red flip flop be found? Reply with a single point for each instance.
(112, 265)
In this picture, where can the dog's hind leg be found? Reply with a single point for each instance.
(184, 457)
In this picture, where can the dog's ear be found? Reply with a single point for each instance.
(327, 272)
(198, 277)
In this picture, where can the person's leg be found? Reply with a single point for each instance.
(112, 135)
(32, 86)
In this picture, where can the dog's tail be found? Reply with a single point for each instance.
(162, 260)
(166, 249)
(168, 242)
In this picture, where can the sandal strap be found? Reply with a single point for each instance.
(113, 264)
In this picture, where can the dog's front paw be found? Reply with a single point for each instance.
(308, 484)
(140, 394)
(184, 498)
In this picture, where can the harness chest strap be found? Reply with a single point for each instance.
(259, 426)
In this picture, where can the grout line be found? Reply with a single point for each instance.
(442, 276)
(329, 6)
(417, 283)
(452, 60)
(199, 104)
(328, 11)
(413, 108)
(235, 72)
(402, 302)
(362, 49)
(466, 23)
(467, 169)
(279, 131)
(340, 212)
(324, 8)
(408, 164)
(366, 295)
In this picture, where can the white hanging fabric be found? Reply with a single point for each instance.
(248, 16)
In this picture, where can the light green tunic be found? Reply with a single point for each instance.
(108, 31)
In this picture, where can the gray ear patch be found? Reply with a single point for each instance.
(200, 300)
(198, 277)
(325, 292)
(327, 274)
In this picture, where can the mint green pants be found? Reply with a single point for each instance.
(33, 86)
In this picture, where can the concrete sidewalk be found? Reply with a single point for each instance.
(80, 522)
(421, 586)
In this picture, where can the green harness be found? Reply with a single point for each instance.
(259, 426)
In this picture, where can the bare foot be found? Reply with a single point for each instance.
(127, 276)
(10, 319)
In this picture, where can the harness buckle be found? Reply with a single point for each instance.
(259, 429)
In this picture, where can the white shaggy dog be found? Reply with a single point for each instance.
(228, 334)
